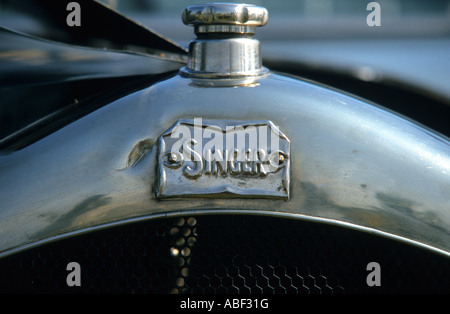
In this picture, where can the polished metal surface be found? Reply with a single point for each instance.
(224, 47)
(349, 163)
(223, 158)
(225, 14)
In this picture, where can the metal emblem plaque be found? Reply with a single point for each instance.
(223, 158)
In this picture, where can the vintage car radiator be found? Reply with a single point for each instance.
(220, 253)
(225, 177)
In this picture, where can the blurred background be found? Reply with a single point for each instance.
(295, 19)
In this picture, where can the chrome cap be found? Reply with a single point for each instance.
(240, 18)
(224, 47)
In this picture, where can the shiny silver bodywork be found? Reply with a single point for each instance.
(352, 163)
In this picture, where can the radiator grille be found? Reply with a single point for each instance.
(225, 254)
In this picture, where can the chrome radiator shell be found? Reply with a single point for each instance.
(352, 163)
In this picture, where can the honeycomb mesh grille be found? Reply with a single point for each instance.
(225, 254)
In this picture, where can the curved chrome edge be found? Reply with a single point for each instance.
(203, 212)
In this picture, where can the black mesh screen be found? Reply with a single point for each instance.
(226, 254)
